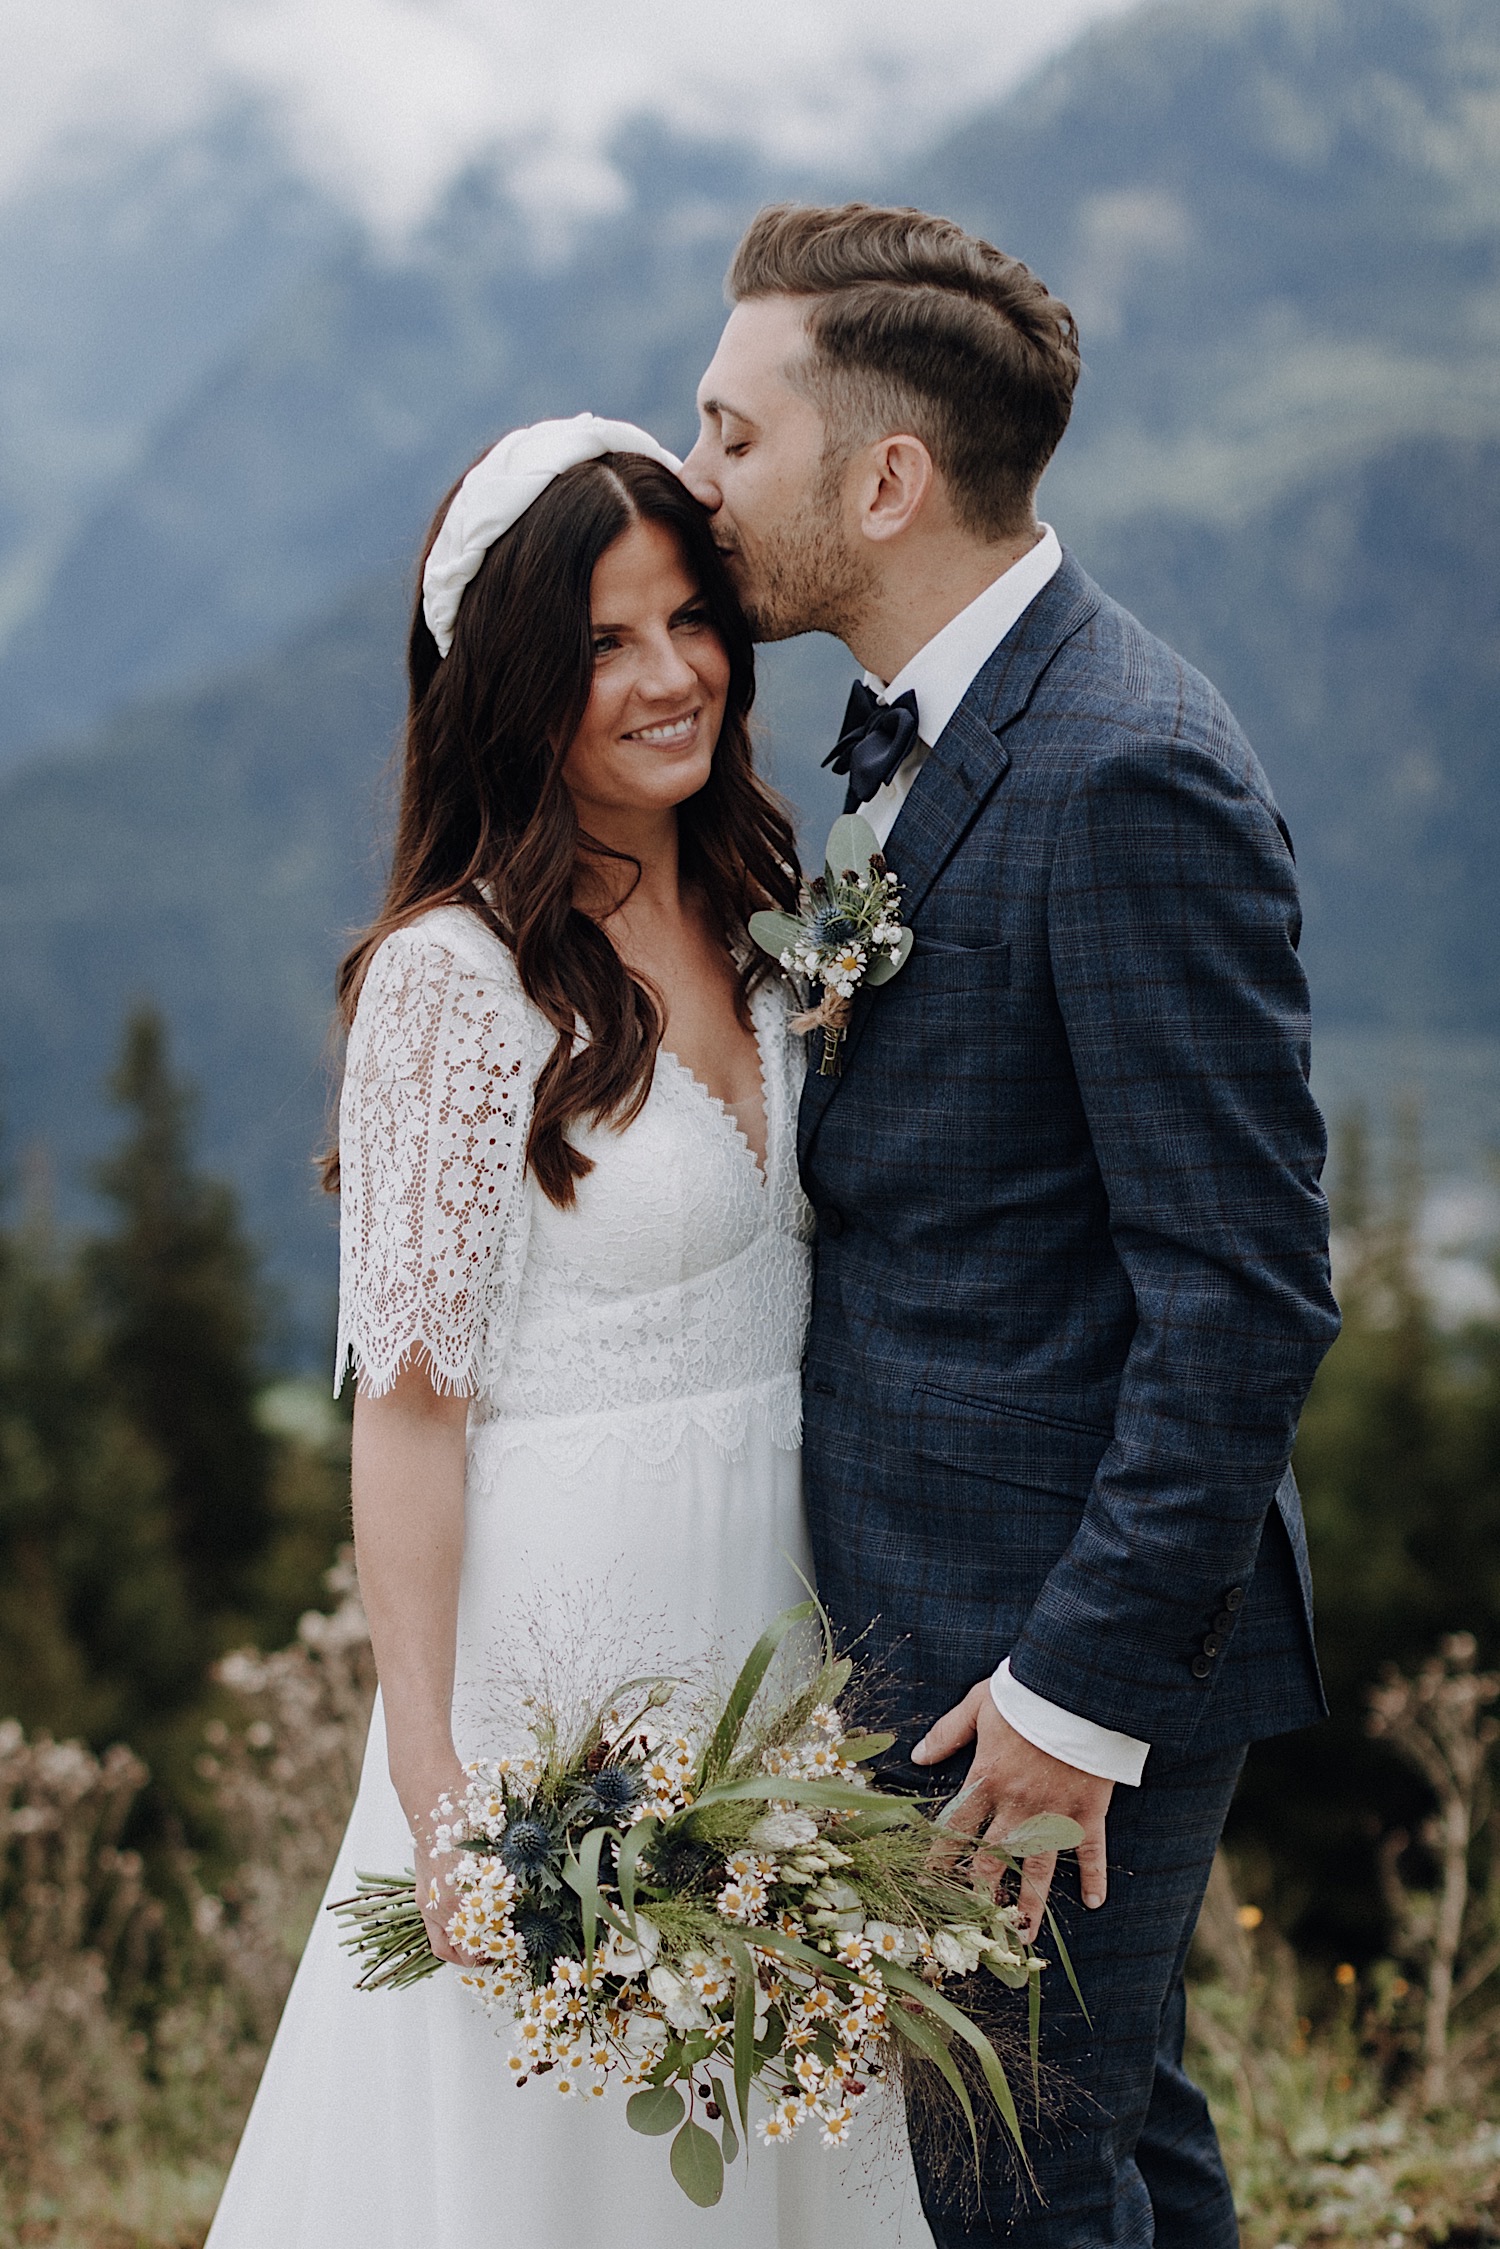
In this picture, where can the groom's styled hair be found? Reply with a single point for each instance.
(919, 326)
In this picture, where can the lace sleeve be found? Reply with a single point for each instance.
(432, 1126)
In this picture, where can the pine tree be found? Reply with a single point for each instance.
(182, 1321)
(97, 1633)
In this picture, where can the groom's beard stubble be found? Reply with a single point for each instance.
(804, 578)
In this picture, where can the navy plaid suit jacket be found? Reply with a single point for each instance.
(1072, 1279)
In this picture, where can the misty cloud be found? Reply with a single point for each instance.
(384, 101)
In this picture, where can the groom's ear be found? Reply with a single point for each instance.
(894, 481)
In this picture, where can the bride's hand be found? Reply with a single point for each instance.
(434, 1891)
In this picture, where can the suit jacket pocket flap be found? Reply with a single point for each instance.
(1014, 1444)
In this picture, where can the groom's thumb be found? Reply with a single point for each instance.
(948, 1736)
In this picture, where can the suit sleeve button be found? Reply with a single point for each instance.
(831, 1221)
(1212, 1643)
(1201, 1667)
(1235, 1598)
(1223, 1620)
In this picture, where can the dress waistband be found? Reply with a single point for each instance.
(652, 1434)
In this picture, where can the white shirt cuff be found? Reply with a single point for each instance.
(1062, 1734)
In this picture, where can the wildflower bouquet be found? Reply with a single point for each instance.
(702, 1912)
(847, 933)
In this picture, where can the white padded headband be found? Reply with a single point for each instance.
(499, 489)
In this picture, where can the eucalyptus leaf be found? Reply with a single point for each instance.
(1044, 1831)
(698, 2165)
(659, 2109)
(851, 843)
(856, 1748)
(882, 968)
(775, 933)
(834, 1677)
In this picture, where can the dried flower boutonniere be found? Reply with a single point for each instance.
(847, 932)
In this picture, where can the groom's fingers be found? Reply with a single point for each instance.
(1036, 1881)
(1093, 1881)
(953, 1730)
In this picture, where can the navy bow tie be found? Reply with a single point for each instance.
(876, 738)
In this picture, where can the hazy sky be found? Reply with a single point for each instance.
(383, 100)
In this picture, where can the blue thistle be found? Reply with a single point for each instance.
(527, 1848)
(612, 1792)
(829, 927)
(545, 1936)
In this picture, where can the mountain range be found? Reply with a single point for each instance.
(1279, 224)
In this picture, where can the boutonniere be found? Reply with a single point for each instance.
(847, 932)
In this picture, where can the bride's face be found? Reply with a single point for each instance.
(661, 680)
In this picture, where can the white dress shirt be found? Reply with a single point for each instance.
(940, 676)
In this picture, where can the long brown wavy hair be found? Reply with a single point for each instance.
(486, 820)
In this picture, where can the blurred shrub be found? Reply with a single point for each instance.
(1398, 1460)
(283, 1777)
(133, 2026)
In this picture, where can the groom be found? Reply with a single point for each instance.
(1072, 1280)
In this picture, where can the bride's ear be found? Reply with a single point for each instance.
(894, 479)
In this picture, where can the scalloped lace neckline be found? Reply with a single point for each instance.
(761, 1169)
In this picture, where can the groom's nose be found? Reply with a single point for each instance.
(699, 480)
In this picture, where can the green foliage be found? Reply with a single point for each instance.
(182, 1327)
(97, 1632)
(156, 1504)
(1399, 1465)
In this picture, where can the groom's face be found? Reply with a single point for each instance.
(763, 468)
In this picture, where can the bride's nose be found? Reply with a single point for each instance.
(665, 673)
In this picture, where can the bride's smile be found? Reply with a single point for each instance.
(671, 733)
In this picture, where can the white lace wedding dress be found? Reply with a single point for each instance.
(633, 1472)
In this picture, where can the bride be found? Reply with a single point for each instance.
(574, 1289)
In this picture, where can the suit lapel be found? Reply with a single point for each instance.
(963, 769)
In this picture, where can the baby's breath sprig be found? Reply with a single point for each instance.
(847, 932)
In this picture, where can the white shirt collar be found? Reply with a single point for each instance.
(941, 673)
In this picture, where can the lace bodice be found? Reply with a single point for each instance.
(673, 1295)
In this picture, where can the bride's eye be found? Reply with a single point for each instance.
(695, 621)
(604, 642)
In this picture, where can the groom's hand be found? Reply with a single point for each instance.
(1010, 1780)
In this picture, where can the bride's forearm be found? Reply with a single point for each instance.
(408, 1493)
